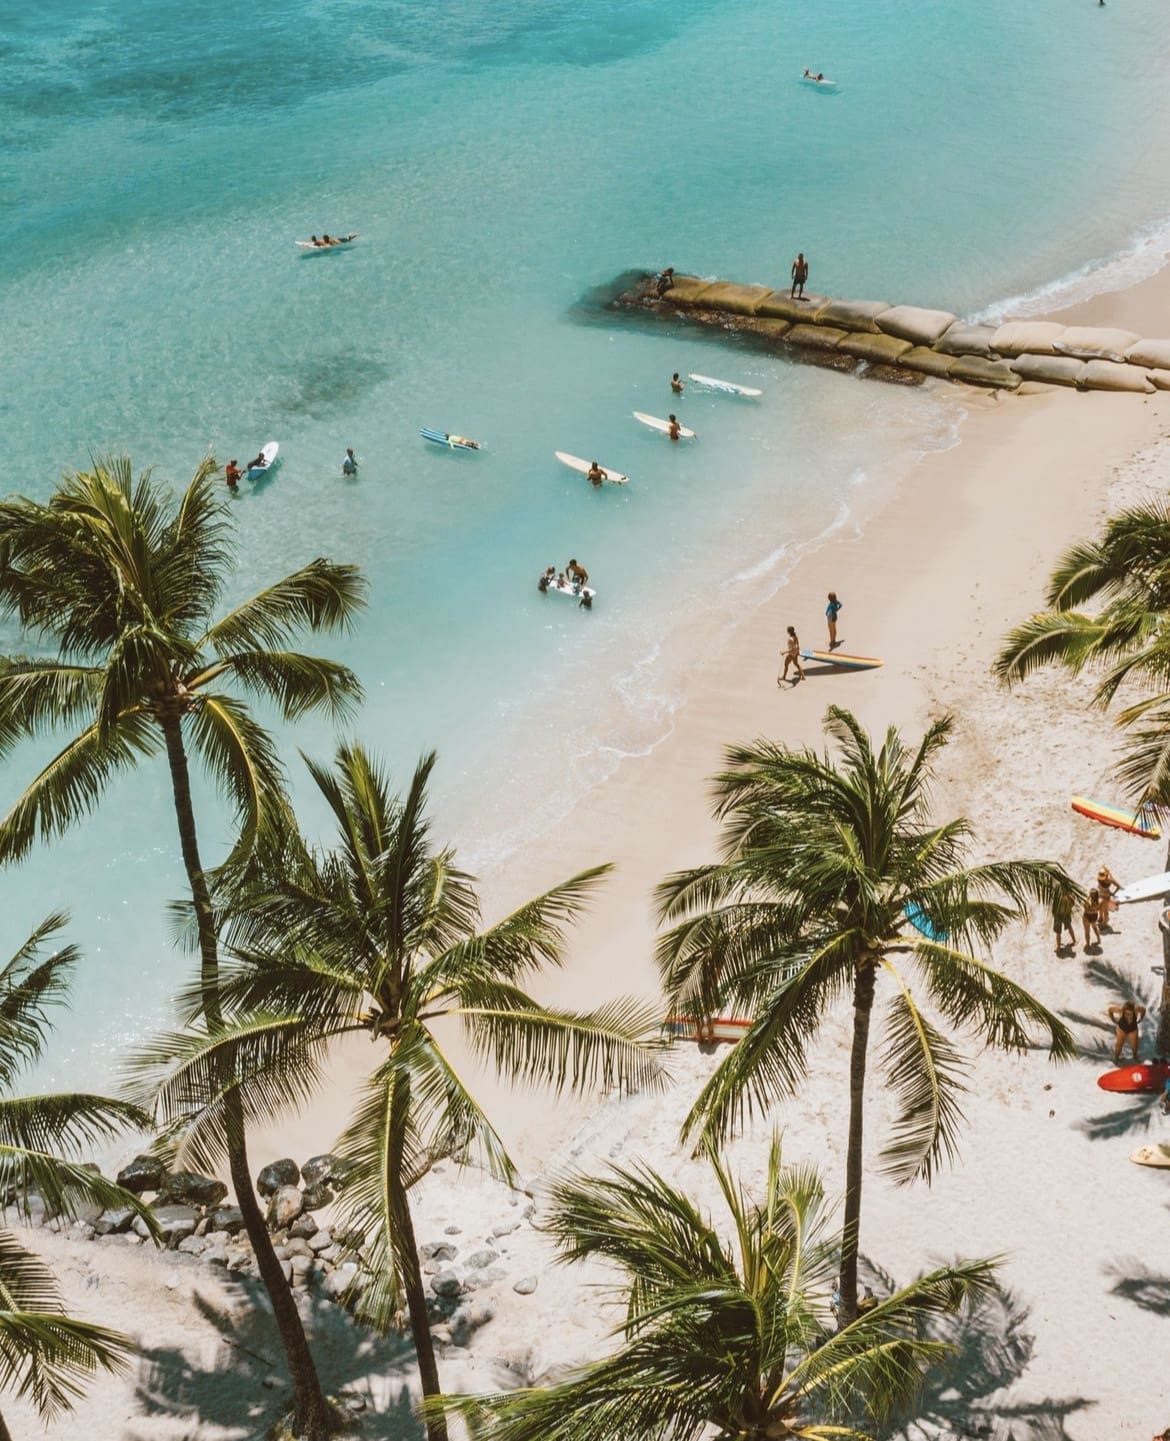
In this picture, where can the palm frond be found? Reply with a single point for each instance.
(320, 596)
(296, 684)
(27, 986)
(242, 758)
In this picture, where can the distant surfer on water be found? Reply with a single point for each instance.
(675, 429)
(595, 475)
(349, 465)
(676, 384)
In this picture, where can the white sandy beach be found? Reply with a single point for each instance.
(1043, 1178)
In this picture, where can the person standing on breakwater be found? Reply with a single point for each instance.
(676, 384)
(832, 611)
(791, 657)
(664, 281)
(799, 276)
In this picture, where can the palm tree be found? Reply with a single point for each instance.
(380, 936)
(823, 861)
(1126, 641)
(729, 1324)
(123, 584)
(46, 1354)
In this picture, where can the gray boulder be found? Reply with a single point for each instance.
(280, 1173)
(438, 1251)
(190, 1188)
(144, 1173)
(286, 1205)
(317, 1169)
(304, 1226)
(227, 1218)
(114, 1221)
(320, 1240)
(525, 1286)
(175, 1223)
(315, 1198)
(480, 1259)
(446, 1283)
(342, 1282)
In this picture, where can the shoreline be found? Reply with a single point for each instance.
(930, 579)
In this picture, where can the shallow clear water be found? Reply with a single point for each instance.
(500, 162)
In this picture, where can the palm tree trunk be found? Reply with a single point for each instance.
(311, 1416)
(416, 1296)
(5, 1434)
(863, 988)
(1162, 1040)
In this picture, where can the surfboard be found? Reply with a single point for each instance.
(1144, 1076)
(452, 442)
(269, 452)
(1121, 818)
(825, 84)
(1151, 1156)
(726, 385)
(845, 662)
(663, 425)
(720, 1028)
(574, 462)
(917, 918)
(574, 592)
(1144, 890)
(338, 242)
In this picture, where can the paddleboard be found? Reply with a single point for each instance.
(269, 452)
(663, 425)
(452, 442)
(574, 462)
(838, 658)
(1120, 817)
(1151, 1156)
(1146, 890)
(337, 242)
(1144, 1076)
(825, 84)
(917, 918)
(727, 385)
(720, 1028)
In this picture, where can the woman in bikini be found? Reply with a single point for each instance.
(1126, 1017)
(791, 657)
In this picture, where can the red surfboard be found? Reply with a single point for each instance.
(1145, 1076)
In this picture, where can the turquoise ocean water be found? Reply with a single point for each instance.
(501, 161)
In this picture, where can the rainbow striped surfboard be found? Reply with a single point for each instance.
(720, 1028)
(1123, 818)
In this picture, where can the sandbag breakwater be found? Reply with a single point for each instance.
(910, 342)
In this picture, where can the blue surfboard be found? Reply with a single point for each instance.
(917, 918)
(452, 442)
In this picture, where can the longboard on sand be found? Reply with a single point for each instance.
(574, 462)
(1151, 1156)
(719, 1028)
(1143, 1076)
(269, 452)
(845, 662)
(1145, 890)
(1121, 818)
(452, 442)
(726, 385)
(663, 425)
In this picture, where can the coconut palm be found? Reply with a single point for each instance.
(1125, 641)
(823, 861)
(728, 1322)
(121, 585)
(46, 1354)
(381, 936)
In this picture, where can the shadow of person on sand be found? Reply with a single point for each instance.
(993, 1348)
(236, 1379)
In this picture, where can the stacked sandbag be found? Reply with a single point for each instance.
(913, 323)
(963, 339)
(1114, 375)
(1026, 337)
(816, 337)
(735, 299)
(877, 349)
(925, 361)
(1051, 369)
(852, 315)
(1093, 342)
(779, 305)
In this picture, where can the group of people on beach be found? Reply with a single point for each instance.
(1099, 902)
(791, 655)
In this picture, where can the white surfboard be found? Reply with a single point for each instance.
(269, 452)
(663, 425)
(574, 462)
(574, 592)
(726, 385)
(1147, 890)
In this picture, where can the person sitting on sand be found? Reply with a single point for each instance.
(349, 465)
(232, 472)
(1108, 885)
(791, 657)
(1062, 920)
(675, 429)
(1091, 917)
(676, 384)
(1126, 1017)
(577, 574)
(595, 475)
(664, 281)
